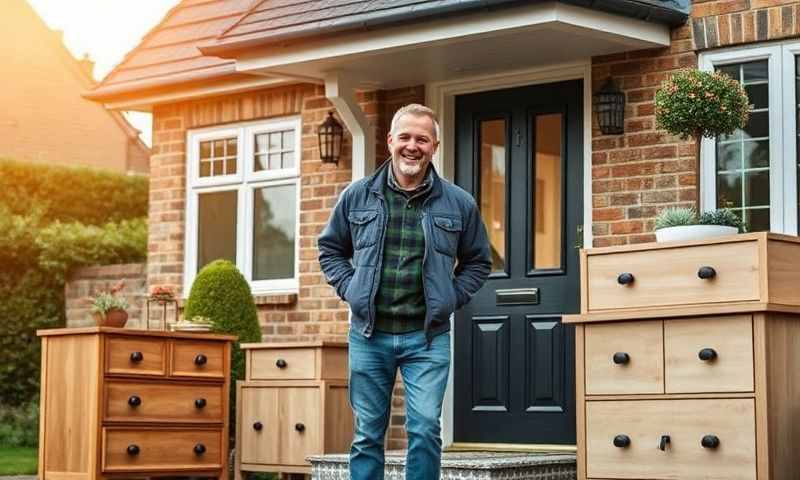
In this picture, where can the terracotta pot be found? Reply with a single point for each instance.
(113, 318)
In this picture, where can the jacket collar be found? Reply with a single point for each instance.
(378, 179)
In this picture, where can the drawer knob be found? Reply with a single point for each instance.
(134, 401)
(707, 354)
(200, 360)
(710, 441)
(622, 441)
(281, 363)
(136, 357)
(621, 358)
(200, 403)
(625, 278)
(133, 450)
(662, 444)
(199, 449)
(300, 427)
(706, 273)
(258, 426)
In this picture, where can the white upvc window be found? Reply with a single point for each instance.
(242, 199)
(754, 170)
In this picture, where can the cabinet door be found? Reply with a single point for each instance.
(302, 433)
(260, 429)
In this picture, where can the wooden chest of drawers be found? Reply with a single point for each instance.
(121, 403)
(685, 372)
(293, 403)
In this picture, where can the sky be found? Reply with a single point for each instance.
(106, 30)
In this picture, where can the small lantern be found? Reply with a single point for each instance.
(160, 302)
(330, 140)
(609, 104)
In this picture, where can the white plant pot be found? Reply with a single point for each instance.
(693, 232)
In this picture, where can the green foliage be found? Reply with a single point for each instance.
(70, 194)
(675, 217)
(38, 249)
(722, 217)
(693, 103)
(19, 426)
(221, 294)
(18, 461)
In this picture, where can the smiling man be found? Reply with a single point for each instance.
(405, 249)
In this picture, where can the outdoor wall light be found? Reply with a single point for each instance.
(330, 139)
(609, 104)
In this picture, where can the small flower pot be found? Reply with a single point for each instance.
(693, 232)
(113, 318)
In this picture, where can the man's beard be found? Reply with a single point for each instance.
(411, 170)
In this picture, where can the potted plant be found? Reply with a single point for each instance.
(696, 104)
(108, 309)
(680, 224)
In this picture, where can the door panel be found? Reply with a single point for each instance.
(519, 152)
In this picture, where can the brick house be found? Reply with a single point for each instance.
(44, 117)
(238, 88)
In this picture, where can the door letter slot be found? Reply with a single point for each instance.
(517, 296)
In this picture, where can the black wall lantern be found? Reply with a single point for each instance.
(609, 104)
(330, 139)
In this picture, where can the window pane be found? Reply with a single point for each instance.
(230, 166)
(493, 187)
(205, 169)
(274, 221)
(218, 157)
(218, 167)
(216, 227)
(287, 160)
(274, 141)
(275, 161)
(288, 140)
(274, 150)
(261, 143)
(219, 148)
(260, 163)
(547, 192)
(230, 149)
(742, 162)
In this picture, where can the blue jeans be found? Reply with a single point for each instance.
(373, 366)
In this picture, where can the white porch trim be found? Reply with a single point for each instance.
(340, 90)
(441, 97)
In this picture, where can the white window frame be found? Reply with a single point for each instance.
(244, 182)
(782, 125)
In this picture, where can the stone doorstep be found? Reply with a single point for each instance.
(463, 465)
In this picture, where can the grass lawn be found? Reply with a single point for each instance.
(18, 461)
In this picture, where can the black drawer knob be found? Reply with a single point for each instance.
(707, 354)
(281, 363)
(200, 403)
(622, 441)
(621, 358)
(133, 450)
(258, 426)
(136, 357)
(200, 360)
(710, 441)
(300, 427)
(199, 449)
(706, 273)
(625, 278)
(134, 401)
(662, 444)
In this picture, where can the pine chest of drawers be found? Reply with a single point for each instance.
(688, 360)
(131, 403)
(293, 403)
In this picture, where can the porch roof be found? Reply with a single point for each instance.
(273, 22)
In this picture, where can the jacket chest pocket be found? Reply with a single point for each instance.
(363, 228)
(446, 232)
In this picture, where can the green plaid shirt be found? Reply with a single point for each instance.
(400, 301)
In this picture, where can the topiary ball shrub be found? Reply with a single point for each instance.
(221, 294)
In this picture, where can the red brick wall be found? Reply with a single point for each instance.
(637, 174)
(315, 312)
(86, 282)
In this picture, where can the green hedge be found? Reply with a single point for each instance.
(42, 238)
(71, 194)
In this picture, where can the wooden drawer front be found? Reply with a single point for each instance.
(283, 364)
(198, 359)
(686, 422)
(160, 449)
(143, 402)
(639, 344)
(280, 425)
(670, 276)
(731, 369)
(140, 356)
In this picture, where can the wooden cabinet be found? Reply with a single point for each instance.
(683, 374)
(120, 403)
(293, 403)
